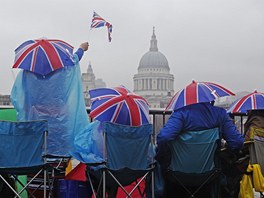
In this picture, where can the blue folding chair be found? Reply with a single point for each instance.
(195, 163)
(128, 158)
(23, 151)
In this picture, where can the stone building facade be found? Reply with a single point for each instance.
(89, 82)
(153, 80)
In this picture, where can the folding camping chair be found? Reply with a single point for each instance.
(194, 164)
(22, 152)
(127, 159)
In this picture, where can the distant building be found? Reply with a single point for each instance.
(153, 80)
(90, 82)
(5, 100)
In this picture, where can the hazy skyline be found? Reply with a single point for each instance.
(220, 41)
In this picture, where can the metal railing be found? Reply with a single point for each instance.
(159, 117)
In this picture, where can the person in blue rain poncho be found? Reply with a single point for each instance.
(58, 98)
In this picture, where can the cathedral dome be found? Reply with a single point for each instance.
(153, 58)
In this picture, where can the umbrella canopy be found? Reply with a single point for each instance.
(197, 92)
(252, 101)
(119, 105)
(42, 56)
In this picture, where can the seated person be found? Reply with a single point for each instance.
(196, 117)
(255, 123)
(255, 119)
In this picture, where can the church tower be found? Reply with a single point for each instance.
(90, 82)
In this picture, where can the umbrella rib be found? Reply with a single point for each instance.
(254, 102)
(32, 68)
(60, 41)
(117, 111)
(222, 88)
(213, 91)
(145, 111)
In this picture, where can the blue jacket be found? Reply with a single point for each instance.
(79, 53)
(198, 117)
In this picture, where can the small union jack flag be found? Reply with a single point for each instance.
(98, 21)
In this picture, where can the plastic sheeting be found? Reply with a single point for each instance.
(57, 98)
(89, 145)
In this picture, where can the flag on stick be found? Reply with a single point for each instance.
(98, 21)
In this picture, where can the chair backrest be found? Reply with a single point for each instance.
(194, 151)
(127, 146)
(21, 143)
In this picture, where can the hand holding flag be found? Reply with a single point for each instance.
(98, 21)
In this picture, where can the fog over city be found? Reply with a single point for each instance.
(220, 41)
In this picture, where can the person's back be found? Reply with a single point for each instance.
(255, 119)
(198, 117)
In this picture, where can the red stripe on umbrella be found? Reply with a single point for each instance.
(191, 93)
(53, 56)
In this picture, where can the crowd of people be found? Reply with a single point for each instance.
(194, 117)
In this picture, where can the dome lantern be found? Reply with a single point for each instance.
(153, 42)
(153, 59)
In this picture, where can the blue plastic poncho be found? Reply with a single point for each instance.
(57, 98)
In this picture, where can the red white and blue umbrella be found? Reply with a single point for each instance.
(43, 56)
(252, 101)
(197, 92)
(119, 105)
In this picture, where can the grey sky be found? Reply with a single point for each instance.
(207, 40)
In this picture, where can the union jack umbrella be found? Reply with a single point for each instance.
(43, 56)
(252, 101)
(119, 105)
(197, 92)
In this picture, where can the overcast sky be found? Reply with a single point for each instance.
(221, 41)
